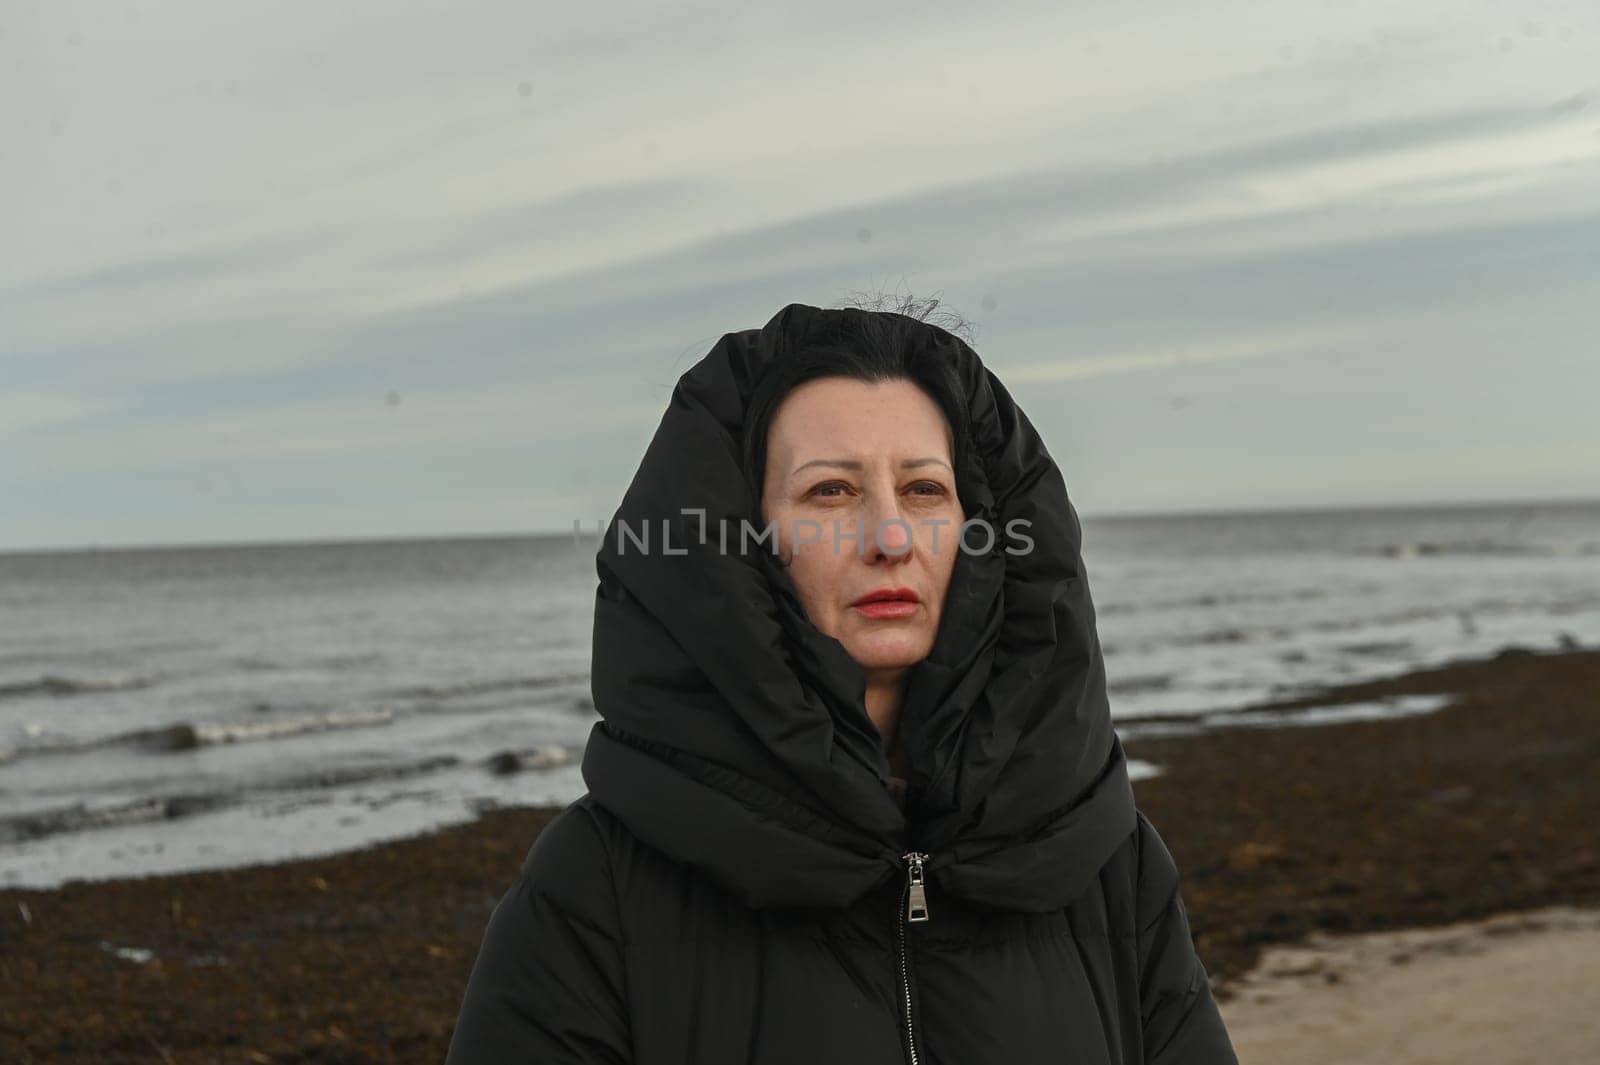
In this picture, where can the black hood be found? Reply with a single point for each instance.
(735, 736)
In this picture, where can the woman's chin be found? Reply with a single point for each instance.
(890, 650)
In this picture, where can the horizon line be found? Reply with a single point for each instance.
(1254, 510)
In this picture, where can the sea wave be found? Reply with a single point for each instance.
(186, 736)
(339, 776)
(189, 735)
(1423, 548)
(304, 787)
(546, 756)
(1144, 682)
(1466, 616)
(1210, 599)
(1188, 723)
(53, 684)
(483, 687)
(81, 817)
(86, 816)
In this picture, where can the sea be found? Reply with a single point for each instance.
(184, 708)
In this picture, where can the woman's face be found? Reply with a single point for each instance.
(860, 484)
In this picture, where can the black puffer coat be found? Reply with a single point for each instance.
(734, 888)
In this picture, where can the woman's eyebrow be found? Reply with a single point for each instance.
(850, 464)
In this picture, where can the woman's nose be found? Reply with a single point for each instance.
(888, 532)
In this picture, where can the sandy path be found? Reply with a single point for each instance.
(1522, 987)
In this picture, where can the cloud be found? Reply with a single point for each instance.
(1191, 353)
(37, 408)
(383, 425)
(232, 234)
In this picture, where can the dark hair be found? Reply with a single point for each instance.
(870, 346)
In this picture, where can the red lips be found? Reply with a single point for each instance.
(888, 594)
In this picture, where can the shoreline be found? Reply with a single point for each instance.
(1477, 809)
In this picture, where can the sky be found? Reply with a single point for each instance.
(298, 271)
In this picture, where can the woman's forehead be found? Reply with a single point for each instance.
(857, 421)
(857, 464)
(924, 449)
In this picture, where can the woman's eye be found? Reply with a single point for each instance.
(835, 489)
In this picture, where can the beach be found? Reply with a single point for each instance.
(1515, 988)
(1407, 889)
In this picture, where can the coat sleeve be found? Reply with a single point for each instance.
(548, 984)
(1182, 1025)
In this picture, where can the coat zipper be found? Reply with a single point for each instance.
(914, 909)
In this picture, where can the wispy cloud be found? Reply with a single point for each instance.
(1191, 353)
(233, 235)
(385, 425)
(36, 408)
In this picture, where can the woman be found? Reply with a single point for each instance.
(855, 796)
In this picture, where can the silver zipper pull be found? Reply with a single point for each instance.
(916, 892)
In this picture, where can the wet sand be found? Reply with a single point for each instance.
(1517, 988)
(1406, 825)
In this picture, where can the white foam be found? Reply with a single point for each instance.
(1139, 769)
(244, 731)
(1370, 710)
